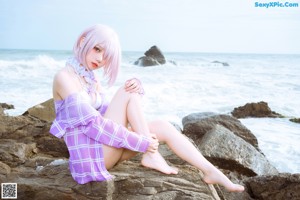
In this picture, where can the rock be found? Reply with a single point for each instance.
(281, 186)
(146, 61)
(38, 163)
(156, 53)
(21, 128)
(4, 106)
(1, 111)
(13, 153)
(152, 57)
(155, 185)
(131, 182)
(44, 111)
(7, 106)
(228, 151)
(260, 109)
(28, 130)
(28, 152)
(296, 120)
(196, 125)
(223, 63)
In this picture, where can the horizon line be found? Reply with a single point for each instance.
(139, 51)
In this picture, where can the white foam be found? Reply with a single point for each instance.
(59, 162)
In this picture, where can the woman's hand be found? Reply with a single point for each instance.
(153, 146)
(134, 85)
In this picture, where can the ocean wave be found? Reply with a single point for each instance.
(38, 61)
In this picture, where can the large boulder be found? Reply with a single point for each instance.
(228, 151)
(281, 186)
(152, 57)
(44, 111)
(131, 181)
(196, 125)
(38, 163)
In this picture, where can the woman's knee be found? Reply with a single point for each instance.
(161, 128)
(121, 92)
(159, 124)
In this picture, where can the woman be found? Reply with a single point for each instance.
(100, 135)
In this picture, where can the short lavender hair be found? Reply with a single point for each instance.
(106, 38)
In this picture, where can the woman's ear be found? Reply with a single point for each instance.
(81, 42)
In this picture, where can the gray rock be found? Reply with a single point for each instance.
(222, 63)
(281, 186)
(146, 61)
(131, 182)
(156, 53)
(152, 57)
(228, 151)
(44, 111)
(27, 152)
(196, 125)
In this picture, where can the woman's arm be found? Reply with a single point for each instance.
(64, 84)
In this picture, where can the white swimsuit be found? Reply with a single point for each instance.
(98, 101)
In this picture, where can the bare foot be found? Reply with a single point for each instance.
(217, 177)
(157, 162)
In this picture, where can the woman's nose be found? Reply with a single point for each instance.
(99, 58)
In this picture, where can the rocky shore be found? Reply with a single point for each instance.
(38, 162)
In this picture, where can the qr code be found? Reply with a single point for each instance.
(8, 191)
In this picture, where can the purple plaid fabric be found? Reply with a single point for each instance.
(85, 131)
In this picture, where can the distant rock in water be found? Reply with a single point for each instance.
(296, 120)
(7, 106)
(152, 57)
(260, 109)
(223, 63)
(4, 106)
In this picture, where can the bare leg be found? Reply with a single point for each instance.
(126, 108)
(188, 152)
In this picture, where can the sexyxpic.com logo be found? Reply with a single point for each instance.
(276, 4)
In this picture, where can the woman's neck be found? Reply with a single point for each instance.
(84, 73)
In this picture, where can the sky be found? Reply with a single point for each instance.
(231, 26)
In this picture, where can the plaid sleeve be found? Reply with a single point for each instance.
(110, 133)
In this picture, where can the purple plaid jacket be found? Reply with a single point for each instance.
(85, 131)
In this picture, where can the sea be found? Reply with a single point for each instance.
(187, 83)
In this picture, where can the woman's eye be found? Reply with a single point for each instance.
(97, 49)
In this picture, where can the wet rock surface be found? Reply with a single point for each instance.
(38, 162)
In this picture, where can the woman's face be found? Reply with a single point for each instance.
(94, 58)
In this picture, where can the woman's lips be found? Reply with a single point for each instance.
(94, 65)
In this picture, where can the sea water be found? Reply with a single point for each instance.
(187, 83)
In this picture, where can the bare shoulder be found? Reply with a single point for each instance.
(64, 84)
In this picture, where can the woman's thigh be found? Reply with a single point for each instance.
(116, 111)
